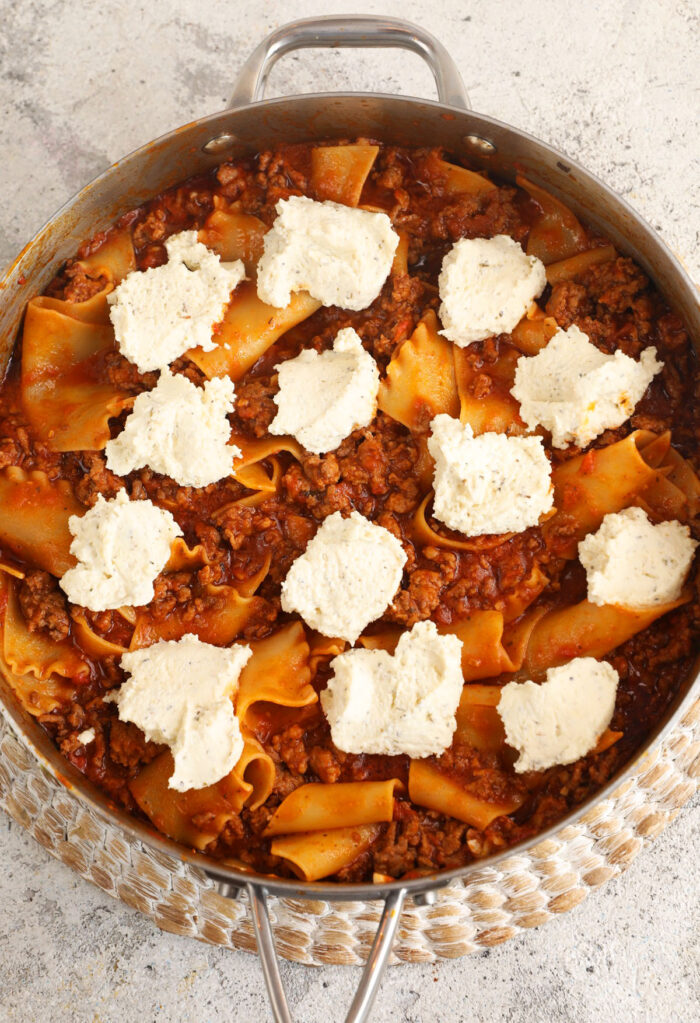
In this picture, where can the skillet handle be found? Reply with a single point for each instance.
(349, 30)
(371, 975)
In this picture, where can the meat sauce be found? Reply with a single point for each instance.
(379, 471)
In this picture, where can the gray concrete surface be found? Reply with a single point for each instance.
(612, 83)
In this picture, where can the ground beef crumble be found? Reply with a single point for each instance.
(380, 471)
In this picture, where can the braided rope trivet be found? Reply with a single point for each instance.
(524, 890)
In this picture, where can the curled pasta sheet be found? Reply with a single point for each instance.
(585, 630)
(429, 787)
(420, 380)
(316, 854)
(675, 493)
(9, 569)
(34, 514)
(63, 344)
(248, 329)
(534, 331)
(483, 653)
(478, 721)
(461, 181)
(399, 266)
(425, 535)
(172, 812)
(38, 697)
(233, 235)
(556, 234)
(114, 258)
(604, 480)
(183, 557)
(338, 173)
(323, 648)
(248, 469)
(278, 672)
(568, 269)
(91, 641)
(35, 653)
(220, 621)
(319, 807)
(494, 410)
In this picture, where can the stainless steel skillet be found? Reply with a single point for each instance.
(251, 123)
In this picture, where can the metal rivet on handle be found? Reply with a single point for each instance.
(478, 142)
(220, 143)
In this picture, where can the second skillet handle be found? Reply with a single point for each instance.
(356, 30)
(371, 975)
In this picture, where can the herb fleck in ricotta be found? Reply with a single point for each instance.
(633, 563)
(486, 287)
(181, 693)
(488, 484)
(346, 577)
(159, 313)
(339, 254)
(560, 720)
(323, 398)
(121, 546)
(576, 391)
(405, 703)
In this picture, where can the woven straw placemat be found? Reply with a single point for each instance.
(496, 902)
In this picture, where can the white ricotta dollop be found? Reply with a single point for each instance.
(560, 720)
(86, 737)
(339, 254)
(576, 391)
(180, 692)
(486, 287)
(180, 430)
(405, 703)
(631, 562)
(121, 546)
(158, 314)
(488, 484)
(323, 398)
(346, 577)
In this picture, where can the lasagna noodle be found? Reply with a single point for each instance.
(318, 854)
(91, 641)
(429, 787)
(461, 181)
(63, 345)
(277, 672)
(478, 722)
(248, 469)
(321, 807)
(485, 401)
(586, 630)
(34, 514)
(593, 485)
(35, 653)
(249, 327)
(172, 812)
(568, 269)
(233, 235)
(223, 617)
(556, 234)
(114, 258)
(420, 380)
(425, 535)
(338, 173)
(533, 332)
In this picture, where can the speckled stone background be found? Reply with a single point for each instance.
(614, 84)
